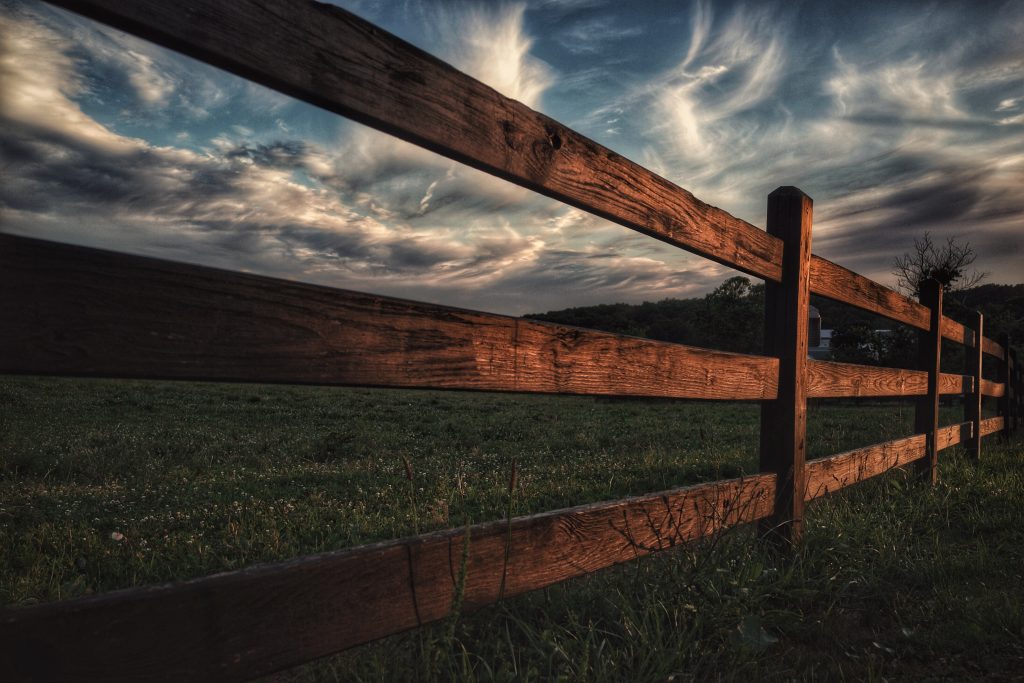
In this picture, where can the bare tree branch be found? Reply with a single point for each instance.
(946, 263)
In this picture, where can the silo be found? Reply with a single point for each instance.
(813, 327)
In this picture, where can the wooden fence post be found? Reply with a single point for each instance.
(1007, 379)
(929, 353)
(784, 420)
(972, 401)
(1018, 391)
(1011, 391)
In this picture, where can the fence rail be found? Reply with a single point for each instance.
(85, 312)
(280, 615)
(139, 317)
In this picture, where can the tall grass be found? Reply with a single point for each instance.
(111, 484)
(895, 580)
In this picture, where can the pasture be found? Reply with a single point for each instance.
(111, 484)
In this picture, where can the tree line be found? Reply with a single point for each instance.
(731, 318)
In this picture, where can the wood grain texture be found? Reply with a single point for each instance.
(247, 623)
(333, 59)
(1004, 377)
(973, 367)
(957, 332)
(954, 434)
(995, 389)
(263, 329)
(993, 348)
(1014, 385)
(783, 429)
(828, 475)
(829, 379)
(950, 383)
(841, 284)
(76, 311)
(991, 425)
(929, 349)
(1018, 390)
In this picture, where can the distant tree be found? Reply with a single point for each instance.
(856, 344)
(731, 318)
(862, 344)
(900, 349)
(734, 318)
(948, 263)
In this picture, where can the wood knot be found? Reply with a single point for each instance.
(568, 335)
(554, 139)
(508, 132)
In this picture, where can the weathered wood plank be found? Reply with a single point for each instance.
(954, 331)
(1018, 389)
(950, 383)
(1005, 378)
(954, 434)
(247, 623)
(783, 441)
(991, 425)
(1014, 385)
(841, 284)
(77, 311)
(829, 379)
(828, 475)
(333, 59)
(993, 348)
(929, 348)
(973, 367)
(990, 388)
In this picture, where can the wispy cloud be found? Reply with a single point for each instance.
(492, 45)
(907, 89)
(110, 141)
(368, 212)
(723, 76)
(595, 35)
(888, 137)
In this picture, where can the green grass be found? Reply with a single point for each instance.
(108, 484)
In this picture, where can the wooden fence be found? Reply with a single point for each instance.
(83, 312)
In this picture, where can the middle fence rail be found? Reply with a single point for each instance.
(75, 311)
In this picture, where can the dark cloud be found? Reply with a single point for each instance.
(955, 124)
(289, 154)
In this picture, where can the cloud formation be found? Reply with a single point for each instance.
(365, 211)
(110, 141)
(891, 138)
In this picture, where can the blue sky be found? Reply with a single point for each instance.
(895, 117)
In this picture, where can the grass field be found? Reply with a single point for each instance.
(107, 484)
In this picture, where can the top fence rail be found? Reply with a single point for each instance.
(331, 58)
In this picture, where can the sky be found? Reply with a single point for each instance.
(896, 118)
